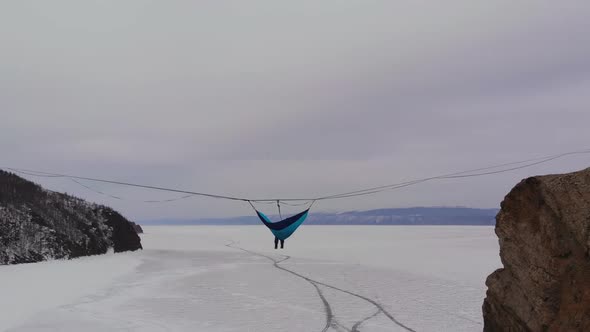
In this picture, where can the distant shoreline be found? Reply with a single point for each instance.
(415, 216)
(307, 225)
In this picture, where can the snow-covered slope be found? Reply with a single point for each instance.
(28, 289)
(37, 224)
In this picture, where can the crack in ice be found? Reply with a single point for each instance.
(330, 320)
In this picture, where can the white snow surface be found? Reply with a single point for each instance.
(230, 278)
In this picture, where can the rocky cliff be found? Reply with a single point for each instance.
(37, 224)
(544, 233)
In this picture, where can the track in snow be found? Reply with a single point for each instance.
(331, 321)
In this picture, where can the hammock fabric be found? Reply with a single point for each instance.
(286, 227)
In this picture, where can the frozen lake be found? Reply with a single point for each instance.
(226, 278)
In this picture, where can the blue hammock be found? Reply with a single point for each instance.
(286, 227)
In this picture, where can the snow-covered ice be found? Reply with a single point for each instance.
(27, 289)
(225, 278)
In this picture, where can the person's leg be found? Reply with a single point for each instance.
(282, 244)
(276, 242)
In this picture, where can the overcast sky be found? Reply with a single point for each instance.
(292, 98)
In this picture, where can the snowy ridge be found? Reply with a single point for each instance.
(37, 224)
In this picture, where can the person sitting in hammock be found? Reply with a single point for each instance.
(284, 228)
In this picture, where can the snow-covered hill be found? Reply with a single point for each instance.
(37, 224)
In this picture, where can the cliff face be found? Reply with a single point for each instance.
(544, 233)
(36, 224)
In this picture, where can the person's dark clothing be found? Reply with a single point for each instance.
(277, 243)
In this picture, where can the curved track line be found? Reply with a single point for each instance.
(355, 327)
(377, 305)
(327, 308)
(330, 321)
(339, 327)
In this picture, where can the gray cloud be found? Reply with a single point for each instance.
(263, 98)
